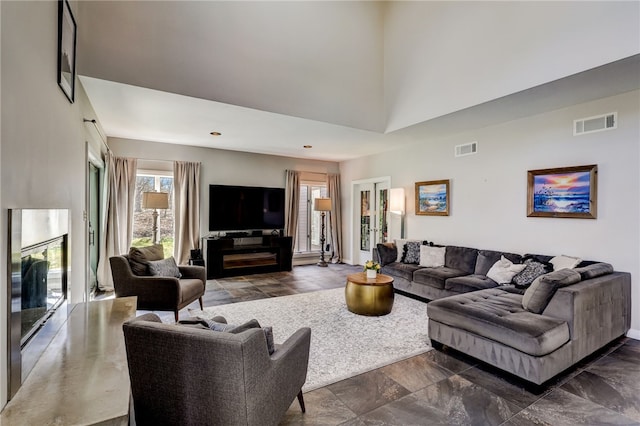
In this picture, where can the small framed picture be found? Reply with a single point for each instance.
(66, 50)
(563, 192)
(432, 198)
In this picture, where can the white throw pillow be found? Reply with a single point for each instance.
(565, 262)
(504, 270)
(432, 257)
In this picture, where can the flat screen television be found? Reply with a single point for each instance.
(242, 208)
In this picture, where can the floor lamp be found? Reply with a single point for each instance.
(322, 205)
(155, 201)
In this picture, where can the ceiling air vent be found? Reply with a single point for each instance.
(595, 124)
(466, 149)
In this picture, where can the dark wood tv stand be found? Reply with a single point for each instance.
(227, 257)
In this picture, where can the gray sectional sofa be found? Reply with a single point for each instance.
(533, 333)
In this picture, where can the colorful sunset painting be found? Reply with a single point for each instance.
(432, 198)
(562, 192)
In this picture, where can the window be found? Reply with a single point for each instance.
(309, 221)
(149, 181)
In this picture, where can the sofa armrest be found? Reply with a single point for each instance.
(597, 311)
(192, 271)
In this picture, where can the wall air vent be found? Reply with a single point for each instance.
(466, 149)
(595, 124)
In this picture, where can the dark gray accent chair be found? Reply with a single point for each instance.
(159, 293)
(186, 376)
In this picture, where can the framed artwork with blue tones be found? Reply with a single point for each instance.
(563, 192)
(432, 198)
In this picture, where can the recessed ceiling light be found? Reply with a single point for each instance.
(307, 146)
(216, 134)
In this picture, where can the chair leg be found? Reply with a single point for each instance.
(200, 300)
(301, 401)
(175, 313)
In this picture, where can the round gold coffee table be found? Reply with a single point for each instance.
(372, 297)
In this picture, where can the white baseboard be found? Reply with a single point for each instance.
(633, 334)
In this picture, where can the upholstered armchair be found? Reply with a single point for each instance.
(159, 293)
(193, 376)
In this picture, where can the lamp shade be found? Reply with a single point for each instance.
(155, 200)
(396, 200)
(322, 204)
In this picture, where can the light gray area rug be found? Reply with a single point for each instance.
(343, 344)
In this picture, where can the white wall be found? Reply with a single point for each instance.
(488, 190)
(221, 166)
(43, 138)
(494, 40)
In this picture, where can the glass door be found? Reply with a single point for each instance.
(373, 216)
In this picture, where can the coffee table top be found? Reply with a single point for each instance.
(360, 278)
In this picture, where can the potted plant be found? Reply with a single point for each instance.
(371, 268)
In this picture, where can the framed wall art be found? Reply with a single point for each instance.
(432, 198)
(563, 192)
(66, 50)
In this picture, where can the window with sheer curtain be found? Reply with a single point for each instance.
(149, 181)
(309, 220)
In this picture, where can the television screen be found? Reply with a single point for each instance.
(240, 208)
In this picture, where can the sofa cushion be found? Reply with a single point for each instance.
(487, 258)
(387, 252)
(504, 270)
(468, 283)
(400, 270)
(400, 243)
(411, 252)
(594, 270)
(538, 295)
(498, 315)
(140, 256)
(190, 288)
(432, 257)
(461, 258)
(436, 277)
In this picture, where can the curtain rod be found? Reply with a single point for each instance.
(95, 124)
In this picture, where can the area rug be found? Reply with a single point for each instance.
(343, 344)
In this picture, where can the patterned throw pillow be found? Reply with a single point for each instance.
(411, 252)
(164, 268)
(533, 269)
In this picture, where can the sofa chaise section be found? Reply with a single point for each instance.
(492, 325)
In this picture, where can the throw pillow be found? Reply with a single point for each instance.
(533, 269)
(214, 325)
(503, 270)
(432, 257)
(387, 253)
(139, 256)
(412, 252)
(538, 295)
(164, 268)
(562, 262)
(400, 247)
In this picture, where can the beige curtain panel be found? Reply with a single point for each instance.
(335, 218)
(118, 229)
(186, 190)
(291, 202)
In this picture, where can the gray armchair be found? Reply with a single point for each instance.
(190, 376)
(159, 293)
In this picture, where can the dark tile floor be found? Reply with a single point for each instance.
(446, 387)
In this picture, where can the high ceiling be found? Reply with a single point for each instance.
(344, 77)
